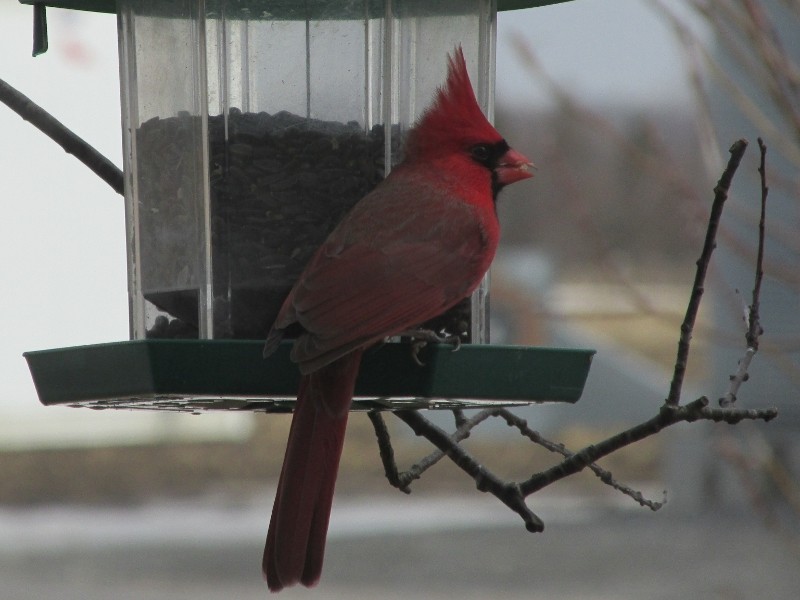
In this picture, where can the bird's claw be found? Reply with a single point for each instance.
(421, 337)
(416, 346)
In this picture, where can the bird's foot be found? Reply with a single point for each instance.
(422, 337)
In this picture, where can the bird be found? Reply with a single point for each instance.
(417, 244)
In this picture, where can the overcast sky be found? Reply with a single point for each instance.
(62, 261)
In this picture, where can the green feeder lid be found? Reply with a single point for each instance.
(199, 375)
(110, 6)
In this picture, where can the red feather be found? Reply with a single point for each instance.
(414, 247)
(454, 119)
(299, 525)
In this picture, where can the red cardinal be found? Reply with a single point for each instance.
(415, 246)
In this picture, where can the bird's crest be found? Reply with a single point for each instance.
(454, 116)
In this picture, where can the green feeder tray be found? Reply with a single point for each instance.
(200, 375)
(221, 374)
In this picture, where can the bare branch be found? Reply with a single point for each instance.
(64, 137)
(386, 451)
(513, 493)
(753, 318)
(507, 492)
(604, 475)
(667, 416)
(737, 150)
(459, 416)
(754, 330)
(401, 480)
(459, 435)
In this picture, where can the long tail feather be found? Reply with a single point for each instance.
(299, 525)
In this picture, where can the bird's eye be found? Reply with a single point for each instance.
(480, 152)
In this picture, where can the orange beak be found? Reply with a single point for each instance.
(513, 166)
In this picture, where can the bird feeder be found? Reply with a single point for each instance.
(250, 127)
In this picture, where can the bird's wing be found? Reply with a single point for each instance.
(406, 254)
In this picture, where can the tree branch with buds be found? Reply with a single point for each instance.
(752, 320)
(514, 493)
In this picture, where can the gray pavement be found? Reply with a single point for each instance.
(418, 547)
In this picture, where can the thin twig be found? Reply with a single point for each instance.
(667, 416)
(64, 137)
(402, 479)
(486, 481)
(603, 474)
(512, 493)
(737, 150)
(459, 416)
(753, 326)
(386, 451)
(463, 432)
(754, 330)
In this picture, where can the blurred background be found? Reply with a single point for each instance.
(628, 109)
